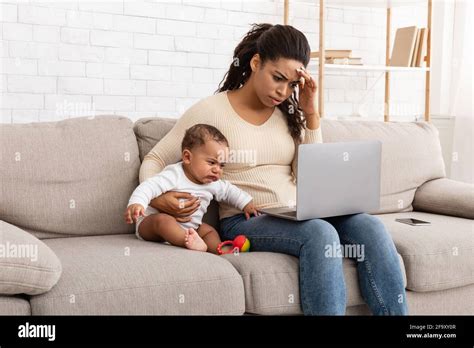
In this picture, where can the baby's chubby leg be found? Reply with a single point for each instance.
(210, 236)
(162, 227)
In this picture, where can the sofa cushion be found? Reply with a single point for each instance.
(27, 265)
(14, 305)
(455, 301)
(437, 257)
(411, 155)
(74, 175)
(271, 282)
(119, 274)
(447, 197)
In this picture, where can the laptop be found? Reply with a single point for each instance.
(335, 179)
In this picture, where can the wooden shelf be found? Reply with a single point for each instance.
(314, 66)
(375, 3)
(386, 69)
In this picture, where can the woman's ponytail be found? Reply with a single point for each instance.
(239, 70)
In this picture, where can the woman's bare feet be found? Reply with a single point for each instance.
(193, 241)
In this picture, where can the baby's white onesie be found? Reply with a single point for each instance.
(173, 178)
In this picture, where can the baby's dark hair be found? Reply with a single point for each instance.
(198, 134)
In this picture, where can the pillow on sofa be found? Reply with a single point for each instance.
(447, 197)
(68, 178)
(27, 265)
(149, 131)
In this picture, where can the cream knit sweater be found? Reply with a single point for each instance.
(262, 158)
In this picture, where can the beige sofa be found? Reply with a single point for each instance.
(66, 184)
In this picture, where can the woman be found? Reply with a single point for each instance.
(265, 107)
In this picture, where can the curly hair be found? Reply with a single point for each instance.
(271, 42)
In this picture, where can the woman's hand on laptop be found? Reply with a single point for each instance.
(180, 205)
(250, 209)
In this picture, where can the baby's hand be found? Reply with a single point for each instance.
(133, 212)
(250, 209)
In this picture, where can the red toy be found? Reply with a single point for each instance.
(239, 244)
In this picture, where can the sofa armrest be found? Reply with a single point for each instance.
(447, 197)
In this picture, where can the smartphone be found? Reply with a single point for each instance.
(413, 222)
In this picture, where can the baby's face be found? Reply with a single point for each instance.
(206, 162)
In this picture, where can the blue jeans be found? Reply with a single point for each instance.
(321, 278)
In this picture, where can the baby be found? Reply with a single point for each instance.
(204, 149)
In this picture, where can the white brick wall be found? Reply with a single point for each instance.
(64, 59)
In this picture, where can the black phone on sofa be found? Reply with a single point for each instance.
(413, 222)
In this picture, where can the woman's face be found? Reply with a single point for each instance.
(274, 81)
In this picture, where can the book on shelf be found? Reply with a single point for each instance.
(421, 54)
(342, 57)
(415, 50)
(344, 61)
(409, 48)
(333, 54)
(403, 46)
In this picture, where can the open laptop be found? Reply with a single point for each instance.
(335, 179)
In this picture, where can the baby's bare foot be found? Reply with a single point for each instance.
(193, 241)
